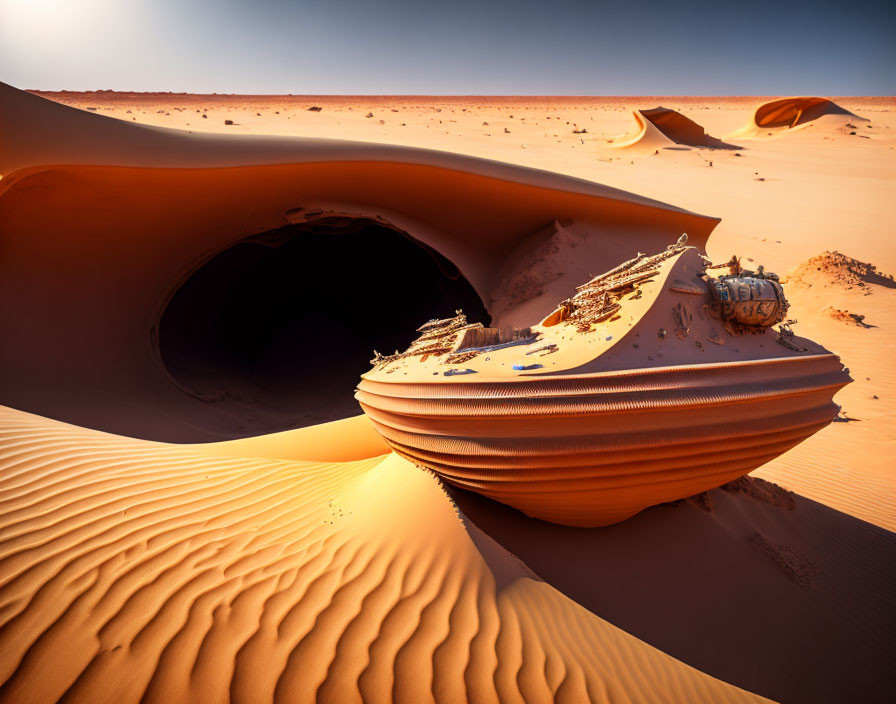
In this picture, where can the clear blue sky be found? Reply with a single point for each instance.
(565, 47)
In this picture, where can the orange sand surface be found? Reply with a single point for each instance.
(310, 563)
(141, 571)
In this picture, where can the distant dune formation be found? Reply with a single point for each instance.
(194, 283)
(661, 128)
(792, 113)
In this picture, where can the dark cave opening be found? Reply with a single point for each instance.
(274, 332)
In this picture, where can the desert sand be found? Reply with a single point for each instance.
(265, 551)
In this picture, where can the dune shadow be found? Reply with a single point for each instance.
(283, 323)
(784, 597)
(874, 277)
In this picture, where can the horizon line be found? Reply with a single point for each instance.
(459, 95)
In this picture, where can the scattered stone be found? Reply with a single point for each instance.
(228, 122)
(315, 108)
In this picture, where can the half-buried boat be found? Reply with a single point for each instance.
(657, 380)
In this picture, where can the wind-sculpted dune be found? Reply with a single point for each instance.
(185, 287)
(662, 128)
(136, 571)
(632, 393)
(787, 114)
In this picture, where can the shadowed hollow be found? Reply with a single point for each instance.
(286, 321)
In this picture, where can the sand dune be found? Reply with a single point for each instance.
(786, 114)
(848, 466)
(748, 583)
(170, 281)
(205, 578)
(662, 128)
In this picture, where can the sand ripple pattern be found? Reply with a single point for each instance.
(590, 451)
(137, 571)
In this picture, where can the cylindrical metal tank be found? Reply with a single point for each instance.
(749, 300)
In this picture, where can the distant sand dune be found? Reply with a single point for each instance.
(147, 572)
(792, 113)
(662, 128)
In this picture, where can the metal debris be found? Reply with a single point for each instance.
(784, 336)
(682, 319)
(598, 300)
(547, 349)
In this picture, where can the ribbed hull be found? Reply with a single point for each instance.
(594, 450)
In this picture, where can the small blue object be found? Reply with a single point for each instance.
(609, 337)
(526, 367)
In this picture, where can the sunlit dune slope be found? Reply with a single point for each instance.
(848, 465)
(150, 573)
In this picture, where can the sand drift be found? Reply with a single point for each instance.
(662, 128)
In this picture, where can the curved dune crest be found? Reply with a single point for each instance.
(164, 264)
(787, 114)
(662, 128)
(150, 573)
